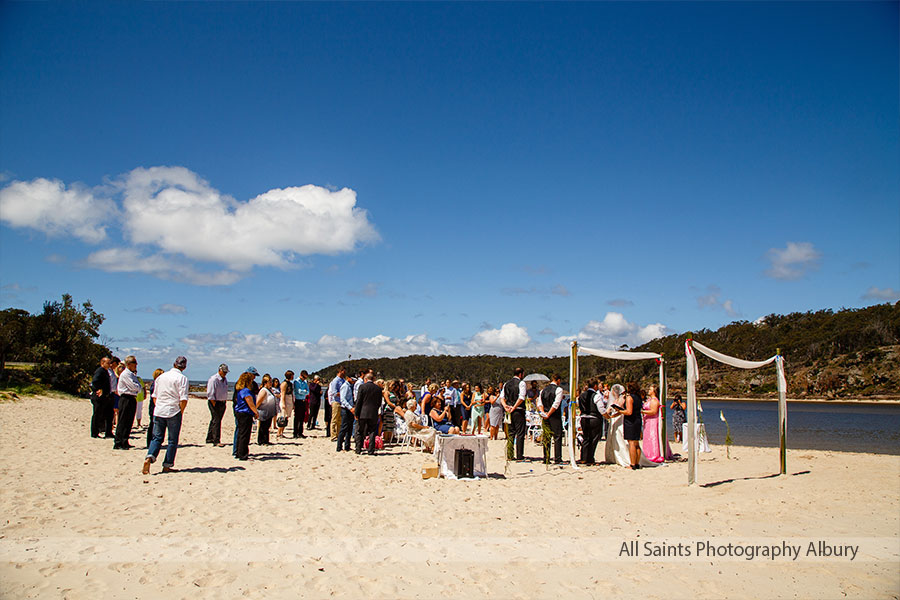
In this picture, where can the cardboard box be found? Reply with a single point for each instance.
(430, 469)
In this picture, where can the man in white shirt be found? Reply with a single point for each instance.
(334, 398)
(513, 401)
(128, 387)
(171, 394)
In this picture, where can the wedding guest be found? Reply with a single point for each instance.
(100, 398)
(315, 400)
(129, 386)
(216, 398)
(391, 397)
(301, 402)
(288, 405)
(590, 423)
(114, 386)
(652, 446)
(367, 409)
(420, 432)
(440, 417)
(428, 398)
(254, 389)
(244, 411)
(550, 404)
(678, 407)
(513, 401)
(334, 397)
(496, 412)
(478, 408)
(171, 393)
(347, 417)
(267, 405)
(631, 425)
(152, 405)
(465, 402)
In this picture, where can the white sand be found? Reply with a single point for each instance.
(80, 521)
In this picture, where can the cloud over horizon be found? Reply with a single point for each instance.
(170, 223)
(792, 262)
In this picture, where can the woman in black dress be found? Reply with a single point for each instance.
(631, 424)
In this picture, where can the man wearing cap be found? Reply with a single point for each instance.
(171, 393)
(254, 389)
(216, 396)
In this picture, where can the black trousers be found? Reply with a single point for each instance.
(98, 415)
(150, 427)
(366, 428)
(216, 412)
(556, 428)
(299, 417)
(313, 413)
(517, 429)
(109, 404)
(244, 429)
(262, 432)
(346, 432)
(127, 406)
(456, 415)
(591, 428)
(327, 413)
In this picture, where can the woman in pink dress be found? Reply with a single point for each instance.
(650, 444)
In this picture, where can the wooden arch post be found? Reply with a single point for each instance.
(573, 395)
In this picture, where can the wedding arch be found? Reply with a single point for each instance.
(693, 376)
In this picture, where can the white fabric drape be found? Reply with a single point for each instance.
(617, 355)
(730, 360)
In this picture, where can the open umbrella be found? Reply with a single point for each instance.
(536, 377)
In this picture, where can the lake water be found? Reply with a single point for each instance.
(812, 426)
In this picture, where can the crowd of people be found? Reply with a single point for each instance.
(364, 413)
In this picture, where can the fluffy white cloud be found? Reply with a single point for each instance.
(175, 210)
(49, 206)
(793, 261)
(885, 294)
(509, 337)
(173, 222)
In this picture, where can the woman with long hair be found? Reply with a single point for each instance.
(632, 422)
(440, 417)
(678, 407)
(465, 399)
(391, 395)
(496, 413)
(244, 411)
(287, 403)
(478, 408)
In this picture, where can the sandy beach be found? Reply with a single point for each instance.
(299, 520)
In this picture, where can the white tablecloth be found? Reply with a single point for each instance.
(700, 434)
(445, 453)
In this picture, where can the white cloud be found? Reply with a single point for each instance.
(172, 309)
(173, 222)
(613, 331)
(509, 337)
(50, 207)
(886, 294)
(713, 299)
(792, 262)
(129, 260)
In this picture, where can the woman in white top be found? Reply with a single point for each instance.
(267, 404)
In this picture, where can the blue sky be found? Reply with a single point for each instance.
(285, 184)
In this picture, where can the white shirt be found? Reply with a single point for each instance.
(129, 384)
(113, 380)
(558, 398)
(170, 390)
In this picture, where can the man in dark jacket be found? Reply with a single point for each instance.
(101, 399)
(368, 404)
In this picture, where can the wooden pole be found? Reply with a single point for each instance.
(664, 442)
(692, 421)
(573, 395)
(782, 416)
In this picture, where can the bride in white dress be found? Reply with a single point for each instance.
(616, 446)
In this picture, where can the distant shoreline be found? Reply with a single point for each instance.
(804, 400)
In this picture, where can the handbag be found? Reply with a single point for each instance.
(281, 422)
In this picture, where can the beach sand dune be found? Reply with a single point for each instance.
(301, 521)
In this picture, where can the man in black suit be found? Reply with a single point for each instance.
(368, 404)
(101, 397)
(513, 401)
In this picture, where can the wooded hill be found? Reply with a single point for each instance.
(848, 353)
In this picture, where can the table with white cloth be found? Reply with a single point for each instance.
(445, 448)
(699, 435)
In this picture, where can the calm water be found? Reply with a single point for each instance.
(843, 427)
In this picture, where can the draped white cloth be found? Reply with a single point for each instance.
(618, 355)
(693, 376)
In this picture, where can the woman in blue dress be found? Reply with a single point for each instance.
(440, 416)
